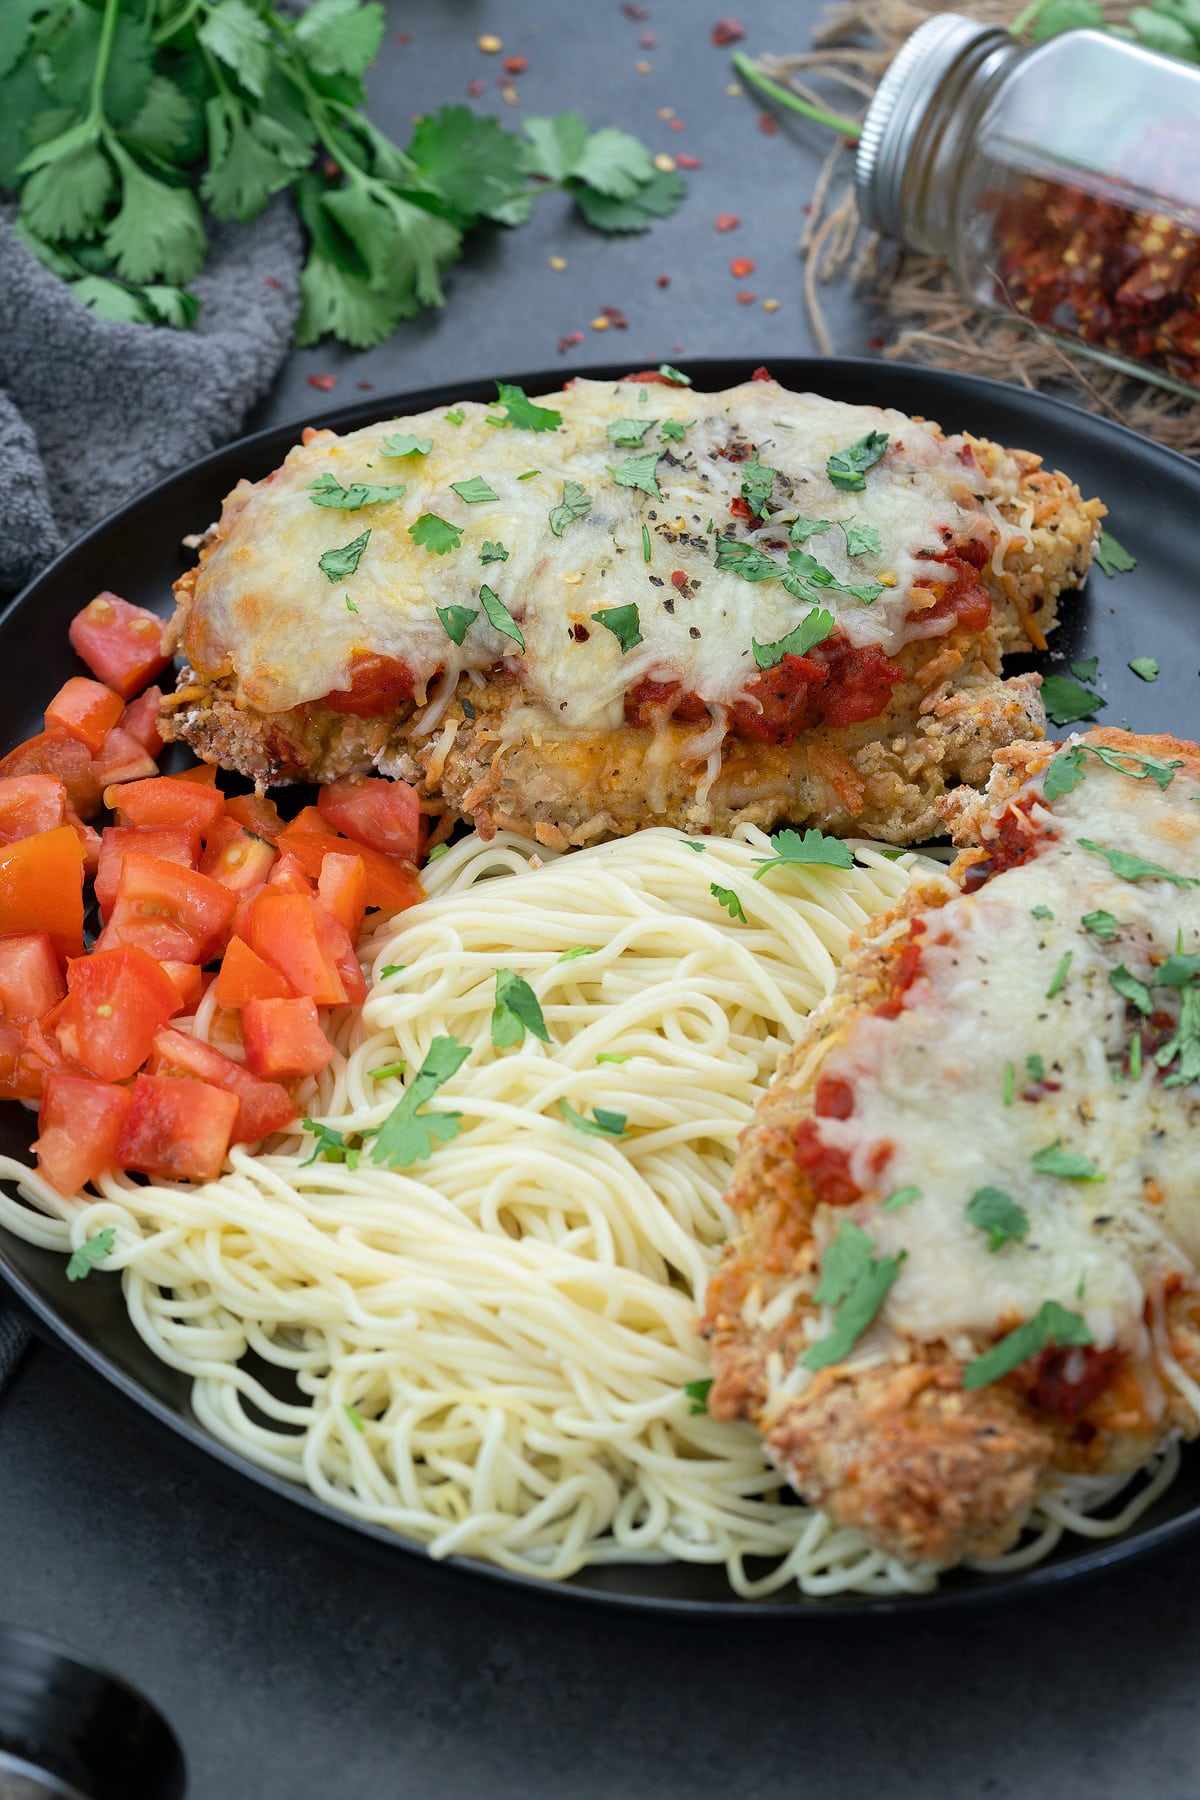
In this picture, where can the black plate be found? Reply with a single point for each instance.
(1153, 497)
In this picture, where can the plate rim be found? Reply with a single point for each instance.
(304, 1507)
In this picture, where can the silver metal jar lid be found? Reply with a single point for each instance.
(899, 110)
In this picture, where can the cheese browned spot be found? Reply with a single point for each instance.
(990, 1037)
(562, 724)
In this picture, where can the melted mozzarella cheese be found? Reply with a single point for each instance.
(931, 1084)
(264, 611)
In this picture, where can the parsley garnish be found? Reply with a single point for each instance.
(1145, 668)
(520, 411)
(861, 540)
(1101, 924)
(645, 543)
(728, 899)
(672, 430)
(574, 503)
(499, 616)
(813, 629)
(638, 472)
(1058, 979)
(437, 534)
(474, 491)
(1065, 1163)
(1035, 1068)
(91, 1252)
(746, 560)
(407, 1135)
(455, 621)
(758, 484)
(1051, 1324)
(327, 490)
(856, 1284)
(676, 377)
(601, 1124)
(516, 1011)
(1131, 989)
(491, 553)
(1065, 701)
(999, 1215)
(1064, 773)
(579, 950)
(803, 529)
(1113, 557)
(628, 432)
(813, 848)
(337, 564)
(902, 1197)
(1042, 912)
(1136, 868)
(847, 468)
(623, 622)
(698, 1392)
(402, 443)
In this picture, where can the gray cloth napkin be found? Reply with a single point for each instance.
(92, 412)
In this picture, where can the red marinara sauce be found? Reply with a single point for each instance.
(1014, 839)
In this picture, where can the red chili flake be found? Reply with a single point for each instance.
(516, 65)
(678, 125)
(326, 383)
(365, 386)
(663, 281)
(807, 207)
(679, 579)
(331, 169)
(875, 343)
(676, 349)
(741, 266)
(636, 13)
(727, 31)
(745, 298)
(569, 342)
(762, 373)
(402, 37)
(767, 124)
(648, 41)
(688, 162)
(476, 87)
(615, 316)
(270, 281)
(727, 221)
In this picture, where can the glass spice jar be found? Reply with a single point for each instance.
(1061, 184)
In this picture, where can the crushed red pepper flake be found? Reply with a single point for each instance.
(727, 221)
(745, 298)
(727, 31)
(762, 373)
(875, 343)
(516, 65)
(326, 383)
(741, 266)
(662, 281)
(768, 124)
(365, 386)
(615, 316)
(403, 37)
(648, 41)
(271, 281)
(636, 13)
(679, 579)
(569, 341)
(677, 125)
(476, 87)
(688, 162)
(330, 169)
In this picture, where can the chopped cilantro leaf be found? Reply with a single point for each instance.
(327, 490)
(623, 622)
(1064, 772)
(516, 1011)
(628, 432)
(847, 468)
(1186, 1042)
(1131, 989)
(601, 1124)
(728, 899)
(1035, 1068)
(1113, 557)
(91, 1252)
(1145, 668)
(676, 377)
(337, 564)
(856, 1284)
(528, 475)
(813, 629)
(330, 1146)
(902, 1197)
(1128, 762)
(387, 1070)
(437, 851)
(436, 534)
(1059, 977)
(350, 606)
(692, 845)
(758, 484)
(579, 950)
(521, 412)
(672, 430)
(456, 620)
(612, 1056)
(474, 491)
(1065, 701)
(1101, 924)
(1065, 1163)
(455, 416)
(491, 553)
(1135, 1057)
(746, 560)
(408, 1135)
(813, 848)
(803, 529)
(402, 443)
(574, 503)
(1087, 669)
(1177, 971)
(638, 472)
(499, 616)
(1042, 912)
(354, 1417)
(1136, 868)
(698, 1392)
(1051, 1324)
(999, 1215)
(645, 543)
(392, 969)
(861, 540)
(803, 568)
(1010, 1083)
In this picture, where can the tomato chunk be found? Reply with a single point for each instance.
(284, 1039)
(30, 803)
(30, 977)
(175, 914)
(391, 886)
(244, 976)
(122, 759)
(41, 887)
(116, 1001)
(171, 844)
(121, 644)
(188, 982)
(176, 1127)
(171, 801)
(57, 753)
(290, 876)
(377, 684)
(286, 930)
(236, 858)
(263, 1106)
(79, 1125)
(258, 814)
(87, 710)
(342, 890)
(386, 815)
(140, 720)
(338, 946)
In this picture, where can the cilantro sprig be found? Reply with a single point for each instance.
(1051, 1324)
(90, 1253)
(854, 1282)
(812, 630)
(409, 1135)
(811, 848)
(517, 1010)
(847, 469)
(327, 490)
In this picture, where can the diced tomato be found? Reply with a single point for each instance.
(342, 890)
(284, 1039)
(87, 710)
(30, 803)
(122, 759)
(31, 980)
(905, 967)
(787, 701)
(121, 644)
(377, 684)
(188, 982)
(826, 1165)
(169, 800)
(285, 930)
(834, 1098)
(79, 1126)
(965, 601)
(391, 886)
(89, 838)
(244, 976)
(172, 913)
(257, 814)
(310, 821)
(57, 753)
(169, 843)
(385, 815)
(204, 773)
(41, 887)
(177, 1128)
(236, 858)
(140, 720)
(649, 701)
(116, 1001)
(263, 1106)
(339, 948)
(18, 1081)
(289, 875)
(647, 376)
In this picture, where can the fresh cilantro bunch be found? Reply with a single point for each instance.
(123, 121)
(1171, 26)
